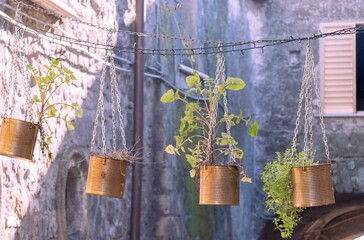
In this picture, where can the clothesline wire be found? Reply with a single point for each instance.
(218, 46)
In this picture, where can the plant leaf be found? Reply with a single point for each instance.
(192, 173)
(193, 80)
(79, 113)
(70, 126)
(192, 160)
(170, 149)
(168, 96)
(235, 84)
(246, 179)
(35, 99)
(254, 129)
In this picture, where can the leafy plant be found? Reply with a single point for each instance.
(47, 84)
(193, 138)
(277, 183)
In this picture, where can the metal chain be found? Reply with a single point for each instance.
(213, 108)
(118, 102)
(24, 74)
(300, 104)
(15, 52)
(18, 60)
(100, 110)
(226, 111)
(319, 106)
(113, 118)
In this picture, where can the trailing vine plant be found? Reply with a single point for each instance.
(277, 183)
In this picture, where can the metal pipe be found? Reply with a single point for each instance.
(138, 123)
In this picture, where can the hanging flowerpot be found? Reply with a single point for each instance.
(106, 176)
(108, 169)
(312, 186)
(17, 138)
(219, 185)
(205, 137)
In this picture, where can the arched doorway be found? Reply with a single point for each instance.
(74, 203)
(342, 221)
(71, 199)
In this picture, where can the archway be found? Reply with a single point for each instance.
(71, 200)
(342, 221)
(74, 203)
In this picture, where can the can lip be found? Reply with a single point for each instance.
(220, 166)
(100, 156)
(19, 121)
(313, 166)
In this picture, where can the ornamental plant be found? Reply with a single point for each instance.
(47, 108)
(193, 139)
(277, 183)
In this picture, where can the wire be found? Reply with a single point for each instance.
(217, 46)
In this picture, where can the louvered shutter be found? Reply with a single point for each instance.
(337, 70)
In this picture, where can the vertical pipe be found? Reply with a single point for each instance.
(138, 123)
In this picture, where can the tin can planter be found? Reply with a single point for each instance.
(18, 138)
(219, 185)
(312, 186)
(106, 176)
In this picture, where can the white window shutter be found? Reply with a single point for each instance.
(337, 70)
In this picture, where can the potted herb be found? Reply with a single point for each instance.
(295, 180)
(277, 183)
(45, 104)
(108, 168)
(203, 142)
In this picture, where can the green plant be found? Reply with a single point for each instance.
(194, 140)
(277, 183)
(47, 84)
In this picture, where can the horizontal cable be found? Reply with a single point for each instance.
(217, 46)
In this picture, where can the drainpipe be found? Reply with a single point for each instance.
(138, 123)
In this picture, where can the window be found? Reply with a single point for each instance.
(342, 70)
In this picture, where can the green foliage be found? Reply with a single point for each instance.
(277, 183)
(46, 108)
(192, 139)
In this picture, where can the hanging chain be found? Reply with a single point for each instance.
(113, 118)
(15, 52)
(118, 103)
(115, 100)
(24, 74)
(309, 87)
(100, 110)
(226, 111)
(220, 78)
(18, 60)
(319, 106)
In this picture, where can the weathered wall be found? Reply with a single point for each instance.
(41, 200)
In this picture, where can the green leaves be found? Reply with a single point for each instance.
(277, 183)
(196, 122)
(170, 149)
(48, 82)
(234, 84)
(79, 113)
(193, 80)
(168, 96)
(254, 129)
